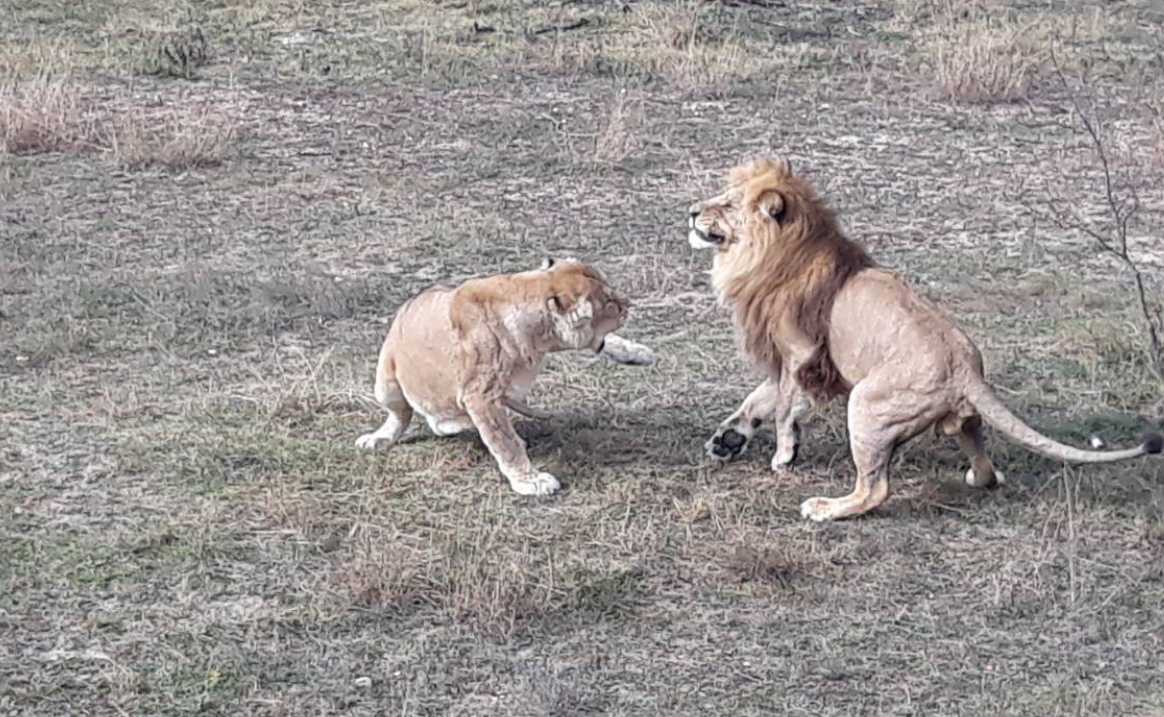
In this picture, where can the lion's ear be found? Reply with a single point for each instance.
(772, 204)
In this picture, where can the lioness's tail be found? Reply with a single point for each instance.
(983, 398)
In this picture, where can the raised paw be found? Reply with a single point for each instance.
(726, 444)
(541, 484)
(625, 351)
(817, 509)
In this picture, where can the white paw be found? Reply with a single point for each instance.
(541, 484)
(999, 477)
(625, 351)
(782, 461)
(816, 509)
(368, 441)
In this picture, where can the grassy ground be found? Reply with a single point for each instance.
(208, 211)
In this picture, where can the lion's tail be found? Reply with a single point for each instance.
(983, 398)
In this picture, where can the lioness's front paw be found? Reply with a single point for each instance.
(726, 444)
(817, 509)
(625, 351)
(541, 484)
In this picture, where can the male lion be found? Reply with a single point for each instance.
(821, 319)
(461, 356)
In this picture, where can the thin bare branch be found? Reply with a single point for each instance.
(1122, 210)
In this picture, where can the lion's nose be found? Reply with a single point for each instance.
(695, 209)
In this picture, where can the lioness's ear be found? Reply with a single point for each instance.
(547, 263)
(772, 204)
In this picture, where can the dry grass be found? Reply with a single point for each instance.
(983, 60)
(619, 136)
(48, 112)
(175, 141)
(46, 106)
(40, 107)
(186, 528)
(686, 43)
(37, 115)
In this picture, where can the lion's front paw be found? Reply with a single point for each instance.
(368, 441)
(784, 458)
(726, 444)
(817, 509)
(541, 484)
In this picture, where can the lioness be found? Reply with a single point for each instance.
(821, 319)
(460, 356)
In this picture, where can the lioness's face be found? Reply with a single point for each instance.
(583, 307)
(722, 222)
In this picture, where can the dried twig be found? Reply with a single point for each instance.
(577, 24)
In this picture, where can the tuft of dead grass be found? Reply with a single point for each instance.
(687, 45)
(468, 579)
(173, 142)
(982, 60)
(37, 115)
(45, 110)
(619, 134)
(40, 106)
(174, 53)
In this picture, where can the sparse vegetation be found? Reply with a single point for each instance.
(982, 60)
(173, 142)
(1121, 195)
(186, 357)
(40, 112)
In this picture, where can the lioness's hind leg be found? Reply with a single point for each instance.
(982, 473)
(391, 397)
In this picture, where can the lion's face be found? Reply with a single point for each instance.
(583, 308)
(751, 205)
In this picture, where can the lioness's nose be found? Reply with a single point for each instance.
(695, 209)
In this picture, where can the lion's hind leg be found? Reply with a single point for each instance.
(981, 473)
(881, 417)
